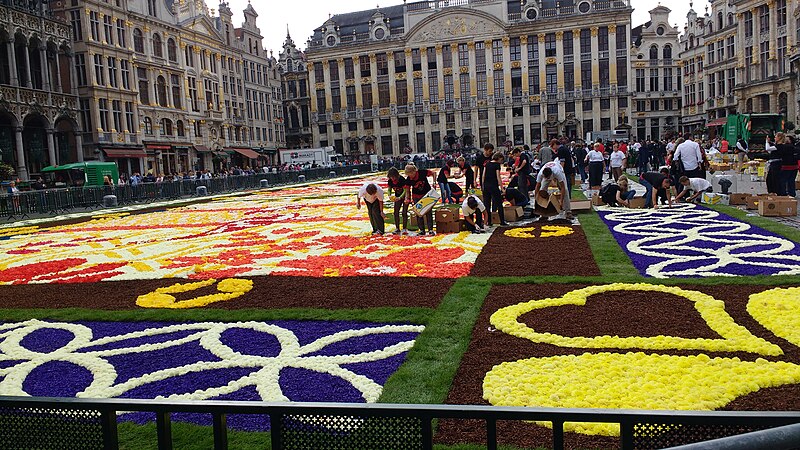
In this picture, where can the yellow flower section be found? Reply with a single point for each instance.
(630, 381)
(547, 231)
(779, 311)
(735, 338)
(163, 298)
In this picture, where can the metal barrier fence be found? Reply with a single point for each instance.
(48, 423)
(58, 201)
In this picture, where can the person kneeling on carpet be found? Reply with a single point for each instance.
(617, 194)
(373, 198)
(696, 185)
(515, 197)
(474, 211)
(553, 172)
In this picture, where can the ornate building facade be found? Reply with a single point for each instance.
(297, 98)
(656, 93)
(738, 58)
(38, 105)
(428, 74)
(168, 87)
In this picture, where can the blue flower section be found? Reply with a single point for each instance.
(57, 379)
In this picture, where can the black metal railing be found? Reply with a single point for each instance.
(28, 204)
(27, 422)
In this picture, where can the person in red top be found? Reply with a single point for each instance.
(417, 186)
(623, 147)
(723, 146)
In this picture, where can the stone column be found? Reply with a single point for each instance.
(312, 88)
(22, 171)
(526, 110)
(28, 82)
(12, 60)
(392, 80)
(51, 147)
(45, 67)
(73, 74)
(772, 68)
(342, 88)
(373, 70)
(58, 86)
(612, 72)
(79, 145)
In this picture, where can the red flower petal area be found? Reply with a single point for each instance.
(234, 258)
(420, 262)
(59, 272)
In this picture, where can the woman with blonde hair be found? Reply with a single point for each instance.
(618, 194)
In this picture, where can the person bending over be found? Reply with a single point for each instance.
(473, 210)
(693, 188)
(656, 185)
(417, 186)
(397, 185)
(553, 172)
(617, 194)
(373, 198)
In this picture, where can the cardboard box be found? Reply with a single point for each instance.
(446, 215)
(738, 199)
(581, 206)
(777, 207)
(753, 200)
(448, 227)
(711, 198)
(637, 203)
(597, 201)
(513, 213)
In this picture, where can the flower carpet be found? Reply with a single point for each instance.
(692, 241)
(282, 295)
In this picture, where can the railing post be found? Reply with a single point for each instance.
(108, 420)
(427, 433)
(558, 435)
(275, 430)
(220, 432)
(626, 434)
(491, 434)
(164, 430)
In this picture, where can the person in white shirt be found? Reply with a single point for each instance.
(551, 172)
(693, 188)
(691, 156)
(596, 162)
(617, 163)
(473, 210)
(373, 198)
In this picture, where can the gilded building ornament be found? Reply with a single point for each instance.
(447, 71)
(523, 40)
(576, 33)
(498, 66)
(559, 35)
(470, 45)
(488, 43)
(408, 52)
(612, 28)
(506, 40)
(350, 82)
(516, 65)
(319, 86)
(594, 31)
(453, 47)
(366, 80)
(310, 66)
(417, 74)
(400, 76)
(454, 26)
(325, 64)
(340, 61)
(541, 38)
(438, 49)
(551, 60)
(372, 57)
(464, 70)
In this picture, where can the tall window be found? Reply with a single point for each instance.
(781, 12)
(333, 69)
(349, 70)
(640, 84)
(586, 74)
(336, 99)
(418, 92)
(108, 30)
(586, 42)
(172, 50)
(533, 49)
(138, 41)
(99, 74)
(102, 106)
(602, 39)
(782, 56)
(551, 78)
(350, 93)
(383, 94)
(77, 27)
(116, 114)
(148, 126)
(516, 49)
(94, 25)
(175, 81)
(499, 84)
(80, 67)
(112, 72)
(161, 91)
(402, 92)
(763, 19)
(130, 123)
(764, 47)
(653, 53)
(653, 80)
(668, 86)
(158, 48)
(482, 85)
(180, 128)
(364, 66)
(166, 127)
(366, 95)
(447, 57)
(121, 38)
(432, 64)
(144, 87)
(567, 43)
(465, 88)
(533, 82)
(748, 24)
(463, 55)
(382, 64)
(433, 89)
(550, 45)
(151, 8)
(480, 56)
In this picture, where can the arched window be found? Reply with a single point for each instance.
(691, 41)
(289, 64)
(147, 125)
(172, 50)
(166, 127)
(783, 103)
(668, 52)
(138, 41)
(158, 48)
(719, 20)
(730, 18)
(161, 91)
(180, 128)
(653, 52)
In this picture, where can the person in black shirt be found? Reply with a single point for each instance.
(515, 197)
(397, 186)
(417, 186)
(441, 178)
(522, 169)
(657, 185)
(492, 191)
(482, 159)
(580, 156)
(467, 173)
(564, 156)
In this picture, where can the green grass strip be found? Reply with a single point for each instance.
(431, 365)
(378, 315)
(764, 222)
(610, 257)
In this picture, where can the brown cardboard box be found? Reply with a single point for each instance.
(513, 213)
(777, 207)
(597, 201)
(739, 199)
(637, 203)
(448, 227)
(753, 200)
(581, 206)
(446, 215)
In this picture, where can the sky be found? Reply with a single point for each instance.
(304, 17)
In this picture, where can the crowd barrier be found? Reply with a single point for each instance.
(24, 205)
